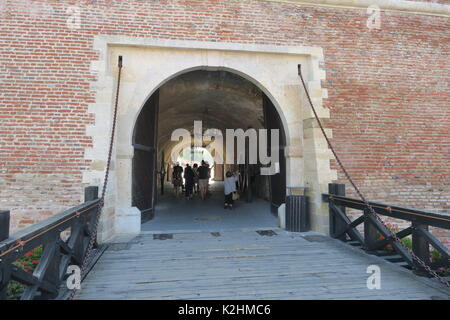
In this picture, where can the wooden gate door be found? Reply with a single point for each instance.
(277, 181)
(145, 156)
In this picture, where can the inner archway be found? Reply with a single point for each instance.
(220, 100)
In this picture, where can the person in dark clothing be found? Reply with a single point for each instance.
(189, 181)
(209, 177)
(203, 173)
(195, 169)
(230, 188)
(177, 179)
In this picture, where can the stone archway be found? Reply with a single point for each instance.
(149, 63)
(205, 101)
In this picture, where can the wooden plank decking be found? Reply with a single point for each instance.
(246, 265)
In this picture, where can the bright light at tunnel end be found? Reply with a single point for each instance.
(213, 141)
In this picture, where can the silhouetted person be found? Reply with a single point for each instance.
(189, 181)
(229, 187)
(203, 172)
(209, 177)
(195, 170)
(177, 178)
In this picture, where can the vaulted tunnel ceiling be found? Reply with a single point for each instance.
(221, 99)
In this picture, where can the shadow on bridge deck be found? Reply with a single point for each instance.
(246, 265)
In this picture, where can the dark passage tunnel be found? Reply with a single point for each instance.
(220, 100)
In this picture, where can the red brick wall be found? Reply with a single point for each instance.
(388, 89)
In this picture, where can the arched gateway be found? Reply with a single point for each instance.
(152, 69)
(202, 100)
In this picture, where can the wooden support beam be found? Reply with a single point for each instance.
(401, 234)
(4, 234)
(337, 226)
(387, 234)
(423, 217)
(434, 242)
(352, 232)
(28, 279)
(420, 246)
(370, 232)
(5, 276)
(40, 271)
(352, 224)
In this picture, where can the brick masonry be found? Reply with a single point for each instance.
(387, 89)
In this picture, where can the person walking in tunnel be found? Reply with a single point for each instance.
(189, 181)
(208, 193)
(229, 188)
(203, 179)
(177, 179)
(195, 170)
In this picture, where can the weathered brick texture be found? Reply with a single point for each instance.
(387, 88)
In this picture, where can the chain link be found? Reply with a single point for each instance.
(359, 193)
(93, 236)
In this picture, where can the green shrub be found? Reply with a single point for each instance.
(436, 256)
(14, 290)
(28, 263)
(407, 242)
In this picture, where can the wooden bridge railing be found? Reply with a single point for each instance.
(377, 237)
(49, 273)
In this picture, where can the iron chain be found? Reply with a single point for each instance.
(93, 236)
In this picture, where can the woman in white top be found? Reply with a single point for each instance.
(229, 187)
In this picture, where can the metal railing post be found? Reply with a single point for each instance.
(336, 224)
